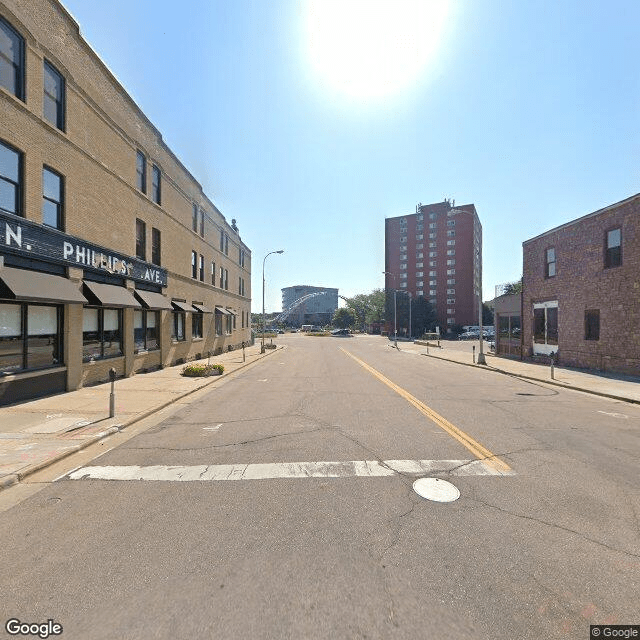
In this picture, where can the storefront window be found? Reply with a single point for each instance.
(101, 334)
(146, 330)
(178, 326)
(41, 346)
(11, 339)
(196, 325)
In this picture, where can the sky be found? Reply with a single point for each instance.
(311, 121)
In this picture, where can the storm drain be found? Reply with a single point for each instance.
(436, 490)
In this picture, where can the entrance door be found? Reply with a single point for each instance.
(545, 327)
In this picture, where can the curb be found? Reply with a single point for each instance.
(15, 478)
(562, 385)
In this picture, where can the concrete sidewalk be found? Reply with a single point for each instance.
(625, 388)
(40, 432)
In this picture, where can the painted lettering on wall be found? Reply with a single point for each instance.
(29, 239)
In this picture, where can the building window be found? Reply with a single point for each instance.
(451, 300)
(229, 323)
(241, 257)
(156, 184)
(221, 277)
(403, 265)
(52, 199)
(11, 60)
(451, 252)
(30, 337)
(156, 246)
(432, 273)
(592, 324)
(194, 219)
(10, 180)
(550, 266)
(432, 225)
(146, 335)
(419, 236)
(419, 227)
(202, 222)
(451, 262)
(403, 238)
(433, 292)
(213, 274)
(218, 324)
(451, 223)
(451, 233)
(613, 248)
(433, 236)
(141, 171)
(201, 268)
(451, 311)
(420, 245)
(451, 320)
(403, 285)
(432, 245)
(419, 265)
(101, 333)
(53, 96)
(403, 256)
(451, 242)
(451, 281)
(419, 274)
(177, 331)
(194, 265)
(451, 292)
(545, 325)
(226, 279)
(420, 283)
(451, 272)
(141, 239)
(433, 254)
(196, 325)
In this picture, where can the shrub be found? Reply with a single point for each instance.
(199, 370)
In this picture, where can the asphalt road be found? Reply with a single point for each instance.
(543, 541)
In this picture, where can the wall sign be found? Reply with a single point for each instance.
(25, 238)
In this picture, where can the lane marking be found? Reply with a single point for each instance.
(614, 415)
(213, 428)
(482, 453)
(345, 469)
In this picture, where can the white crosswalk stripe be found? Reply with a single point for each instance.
(270, 471)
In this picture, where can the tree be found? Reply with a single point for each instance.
(344, 318)
(368, 307)
(423, 316)
(487, 315)
(512, 287)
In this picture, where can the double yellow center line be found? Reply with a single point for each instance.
(480, 452)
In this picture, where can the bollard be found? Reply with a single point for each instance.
(427, 348)
(552, 359)
(112, 397)
(244, 357)
(209, 357)
(474, 354)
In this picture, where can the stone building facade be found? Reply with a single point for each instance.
(581, 291)
(111, 254)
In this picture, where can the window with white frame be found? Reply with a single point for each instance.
(420, 292)
(451, 252)
(432, 236)
(432, 263)
(451, 272)
(433, 254)
(432, 245)
(451, 300)
(419, 274)
(432, 225)
(420, 283)
(451, 281)
(403, 265)
(451, 233)
(450, 312)
(420, 246)
(433, 283)
(432, 216)
(451, 262)
(451, 320)
(451, 242)
(432, 273)
(451, 223)
(403, 256)
(419, 236)
(403, 276)
(403, 285)
(419, 254)
(419, 265)
(432, 292)
(451, 292)
(433, 301)
(403, 238)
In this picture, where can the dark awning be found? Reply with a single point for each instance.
(201, 308)
(108, 295)
(233, 312)
(152, 300)
(40, 287)
(182, 306)
(222, 311)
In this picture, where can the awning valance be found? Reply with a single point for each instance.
(182, 306)
(201, 308)
(222, 311)
(39, 287)
(108, 295)
(152, 300)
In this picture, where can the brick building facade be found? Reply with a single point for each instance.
(111, 255)
(436, 253)
(581, 290)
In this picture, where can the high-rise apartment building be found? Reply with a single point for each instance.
(436, 253)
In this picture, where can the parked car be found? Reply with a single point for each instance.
(469, 335)
(341, 332)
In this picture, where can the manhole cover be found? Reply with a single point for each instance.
(436, 489)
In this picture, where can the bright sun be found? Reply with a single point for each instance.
(373, 48)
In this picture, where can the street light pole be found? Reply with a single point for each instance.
(481, 358)
(410, 331)
(395, 326)
(262, 349)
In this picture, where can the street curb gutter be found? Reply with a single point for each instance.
(554, 383)
(14, 478)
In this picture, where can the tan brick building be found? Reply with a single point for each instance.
(111, 255)
(581, 291)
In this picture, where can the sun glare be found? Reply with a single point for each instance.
(373, 48)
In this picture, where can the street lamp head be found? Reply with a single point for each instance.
(281, 251)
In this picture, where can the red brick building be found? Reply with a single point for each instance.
(581, 290)
(436, 253)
